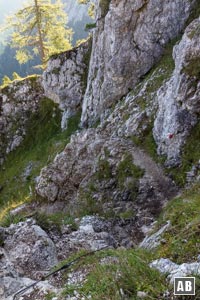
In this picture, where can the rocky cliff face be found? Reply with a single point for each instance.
(128, 39)
(17, 102)
(111, 179)
(178, 99)
(65, 79)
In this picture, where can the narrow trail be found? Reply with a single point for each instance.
(155, 171)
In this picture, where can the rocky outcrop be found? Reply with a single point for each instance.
(28, 253)
(166, 266)
(154, 240)
(128, 39)
(106, 175)
(179, 98)
(17, 102)
(65, 78)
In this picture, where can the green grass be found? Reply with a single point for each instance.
(7, 82)
(44, 139)
(104, 170)
(56, 220)
(126, 169)
(189, 157)
(193, 68)
(155, 78)
(146, 141)
(195, 12)
(50, 296)
(124, 177)
(127, 272)
(182, 239)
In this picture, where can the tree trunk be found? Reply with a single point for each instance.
(39, 28)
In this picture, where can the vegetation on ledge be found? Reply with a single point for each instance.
(43, 140)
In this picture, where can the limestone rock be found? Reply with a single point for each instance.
(84, 176)
(65, 78)
(154, 240)
(128, 39)
(179, 99)
(166, 266)
(29, 249)
(17, 101)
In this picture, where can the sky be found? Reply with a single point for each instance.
(8, 7)
(75, 11)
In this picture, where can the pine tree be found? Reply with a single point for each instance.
(16, 76)
(39, 29)
(91, 8)
(6, 80)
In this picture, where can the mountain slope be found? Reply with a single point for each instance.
(126, 180)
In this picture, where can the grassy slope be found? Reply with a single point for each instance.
(43, 141)
(182, 239)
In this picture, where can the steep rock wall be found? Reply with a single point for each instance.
(179, 98)
(65, 79)
(127, 41)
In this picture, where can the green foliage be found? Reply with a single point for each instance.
(127, 168)
(90, 26)
(8, 64)
(155, 78)
(16, 76)
(79, 42)
(194, 14)
(146, 141)
(128, 175)
(44, 139)
(124, 178)
(50, 296)
(91, 9)
(87, 204)
(193, 68)
(56, 220)
(1, 242)
(104, 170)
(9, 219)
(189, 157)
(39, 29)
(6, 80)
(126, 272)
(182, 239)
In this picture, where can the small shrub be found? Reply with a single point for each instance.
(90, 26)
(56, 220)
(104, 170)
(127, 168)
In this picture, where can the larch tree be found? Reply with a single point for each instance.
(91, 7)
(39, 28)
